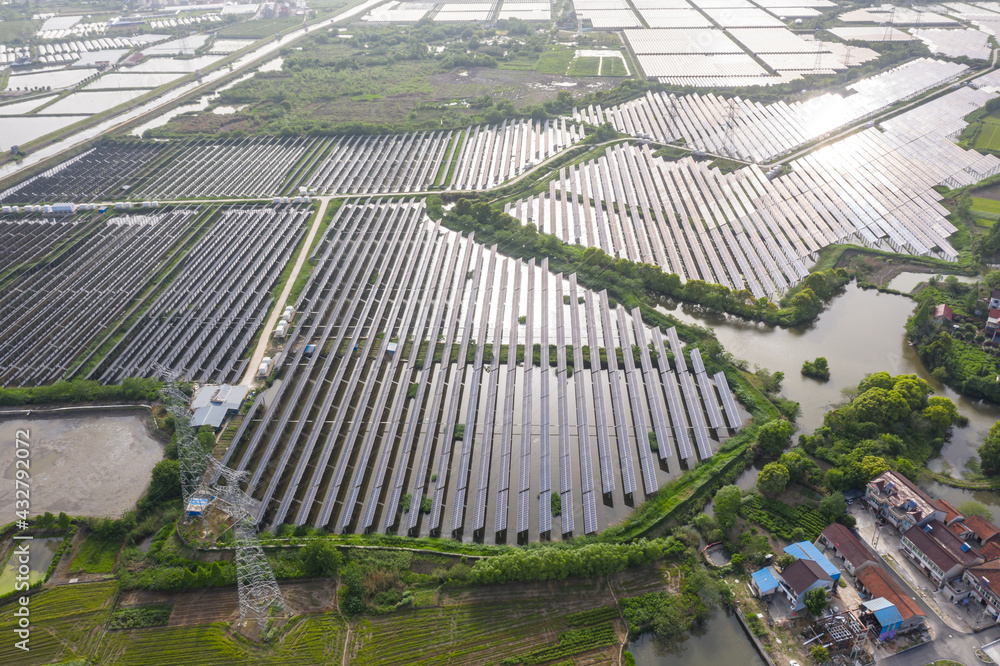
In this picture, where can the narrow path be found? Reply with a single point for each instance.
(621, 645)
(279, 304)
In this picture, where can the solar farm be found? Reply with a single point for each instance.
(413, 379)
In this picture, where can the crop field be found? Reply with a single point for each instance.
(467, 634)
(64, 618)
(50, 314)
(585, 67)
(420, 393)
(989, 136)
(202, 324)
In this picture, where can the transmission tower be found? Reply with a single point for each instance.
(259, 594)
(190, 456)
(887, 37)
(730, 128)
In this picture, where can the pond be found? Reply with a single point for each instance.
(905, 282)
(721, 641)
(19, 130)
(133, 80)
(86, 464)
(41, 554)
(61, 78)
(92, 102)
(860, 331)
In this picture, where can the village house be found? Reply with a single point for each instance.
(844, 544)
(901, 503)
(800, 577)
(875, 582)
(938, 552)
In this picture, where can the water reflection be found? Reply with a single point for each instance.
(721, 640)
(861, 331)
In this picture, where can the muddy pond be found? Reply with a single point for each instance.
(86, 464)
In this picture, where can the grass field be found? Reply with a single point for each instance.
(585, 67)
(96, 556)
(987, 208)
(989, 135)
(15, 33)
(555, 61)
(613, 67)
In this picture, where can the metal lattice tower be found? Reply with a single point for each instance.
(887, 37)
(190, 456)
(730, 128)
(258, 589)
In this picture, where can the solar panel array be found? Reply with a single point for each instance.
(438, 293)
(747, 232)
(491, 155)
(753, 132)
(956, 43)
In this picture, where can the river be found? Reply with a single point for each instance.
(859, 332)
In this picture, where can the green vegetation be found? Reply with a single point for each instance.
(613, 67)
(555, 501)
(556, 60)
(17, 33)
(598, 559)
(141, 617)
(80, 390)
(781, 519)
(892, 423)
(955, 357)
(816, 601)
(585, 67)
(570, 643)
(818, 369)
(672, 616)
(96, 555)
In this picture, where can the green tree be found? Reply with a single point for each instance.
(63, 521)
(833, 505)
(816, 601)
(989, 452)
(820, 654)
(166, 481)
(872, 466)
(321, 558)
(785, 560)
(974, 508)
(727, 505)
(773, 479)
(774, 436)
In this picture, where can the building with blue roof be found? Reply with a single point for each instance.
(804, 550)
(882, 617)
(764, 582)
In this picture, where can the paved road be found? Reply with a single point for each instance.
(949, 642)
(279, 305)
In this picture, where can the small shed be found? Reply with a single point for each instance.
(882, 617)
(943, 313)
(765, 582)
(197, 505)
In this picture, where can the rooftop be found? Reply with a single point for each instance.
(880, 584)
(847, 544)
(765, 579)
(989, 573)
(212, 402)
(950, 512)
(802, 574)
(885, 611)
(981, 528)
(903, 496)
(943, 310)
(941, 546)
